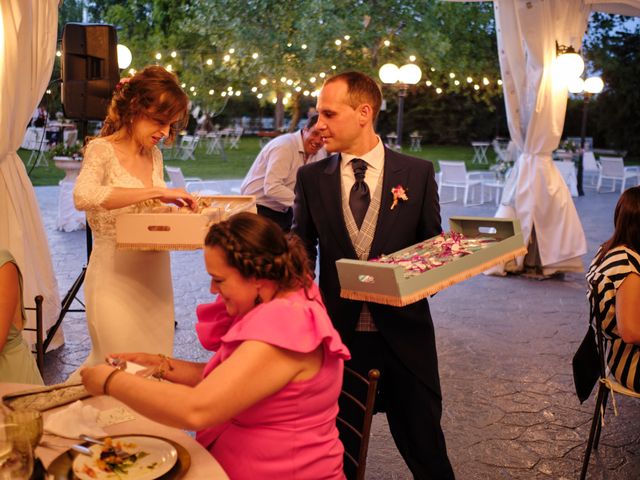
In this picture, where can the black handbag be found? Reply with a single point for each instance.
(586, 366)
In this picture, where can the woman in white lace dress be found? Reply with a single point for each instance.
(128, 293)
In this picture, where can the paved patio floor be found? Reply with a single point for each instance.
(505, 346)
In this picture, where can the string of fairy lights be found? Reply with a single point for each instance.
(265, 87)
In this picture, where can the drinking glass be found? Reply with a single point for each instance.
(16, 458)
(20, 433)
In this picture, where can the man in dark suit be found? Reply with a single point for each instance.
(345, 204)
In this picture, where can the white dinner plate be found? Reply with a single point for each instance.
(161, 457)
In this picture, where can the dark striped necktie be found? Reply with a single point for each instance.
(359, 197)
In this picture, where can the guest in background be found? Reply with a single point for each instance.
(129, 296)
(614, 291)
(17, 364)
(272, 177)
(40, 116)
(265, 404)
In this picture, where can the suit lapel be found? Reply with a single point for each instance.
(331, 194)
(394, 174)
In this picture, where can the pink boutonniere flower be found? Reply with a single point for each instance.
(399, 193)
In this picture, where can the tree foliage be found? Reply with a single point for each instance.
(281, 49)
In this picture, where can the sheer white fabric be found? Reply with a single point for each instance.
(128, 293)
(535, 193)
(28, 30)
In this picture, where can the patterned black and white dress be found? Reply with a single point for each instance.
(604, 280)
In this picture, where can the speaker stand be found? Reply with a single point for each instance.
(71, 295)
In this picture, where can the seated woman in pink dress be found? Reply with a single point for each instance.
(265, 405)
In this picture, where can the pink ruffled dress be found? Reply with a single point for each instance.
(292, 433)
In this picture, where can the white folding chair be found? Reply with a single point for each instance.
(177, 179)
(455, 175)
(234, 137)
(188, 144)
(612, 168)
(70, 137)
(214, 143)
(480, 152)
(501, 150)
(590, 166)
(36, 141)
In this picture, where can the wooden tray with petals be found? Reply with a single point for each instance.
(389, 284)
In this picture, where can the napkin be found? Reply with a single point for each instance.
(75, 420)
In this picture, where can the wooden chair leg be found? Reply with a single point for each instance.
(594, 425)
(39, 334)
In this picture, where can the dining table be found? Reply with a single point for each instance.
(202, 463)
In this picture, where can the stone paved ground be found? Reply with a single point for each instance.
(505, 347)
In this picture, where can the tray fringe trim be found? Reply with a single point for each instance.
(396, 301)
(158, 246)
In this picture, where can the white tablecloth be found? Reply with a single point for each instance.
(203, 465)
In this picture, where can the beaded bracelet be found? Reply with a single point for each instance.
(108, 380)
(164, 366)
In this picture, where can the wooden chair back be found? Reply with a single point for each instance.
(356, 403)
(39, 343)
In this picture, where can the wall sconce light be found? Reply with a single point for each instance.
(568, 62)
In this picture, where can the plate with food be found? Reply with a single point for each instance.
(134, 457)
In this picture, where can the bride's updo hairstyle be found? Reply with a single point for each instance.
(258, 248)
(153, 93)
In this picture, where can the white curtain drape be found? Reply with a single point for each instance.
(28, 31)
(536, 102)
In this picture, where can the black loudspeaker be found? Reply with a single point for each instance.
(89, 69)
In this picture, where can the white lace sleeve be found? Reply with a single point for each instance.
(92, 187)
(158, 169)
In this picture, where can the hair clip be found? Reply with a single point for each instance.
(122, 83)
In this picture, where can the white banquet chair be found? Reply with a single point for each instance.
(612, 168)
(177, 179)
(454, 174)
(190, 184)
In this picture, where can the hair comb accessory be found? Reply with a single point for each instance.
(122, 83)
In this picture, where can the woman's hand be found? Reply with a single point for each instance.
(149, 360)
(93, 378)
(144, 359)
(178, 196)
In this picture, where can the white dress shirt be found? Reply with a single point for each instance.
(272, 177)
(375, 166)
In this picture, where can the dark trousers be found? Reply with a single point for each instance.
(284, 219)
(413, 410)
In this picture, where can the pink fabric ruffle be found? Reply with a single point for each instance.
(293, 322)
